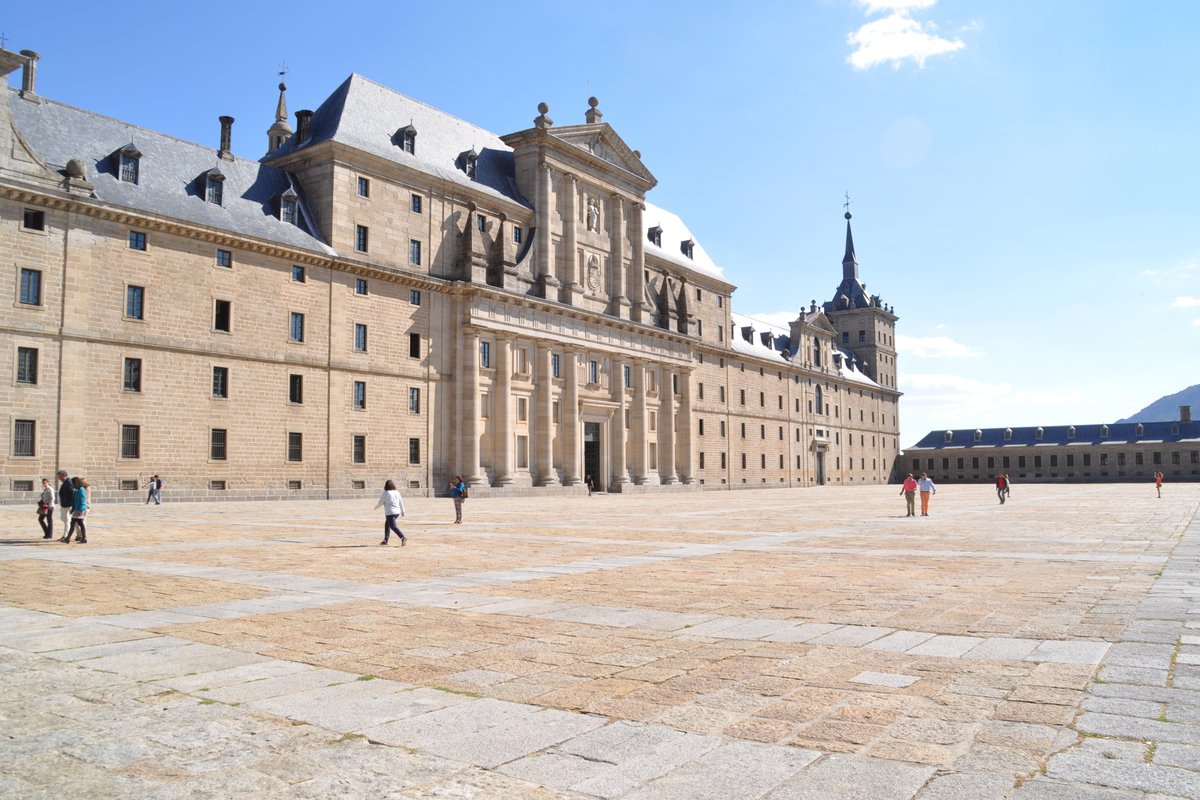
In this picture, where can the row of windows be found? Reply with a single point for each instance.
(1139, 459)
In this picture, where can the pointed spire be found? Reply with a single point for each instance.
(280, 131)
(849, 261)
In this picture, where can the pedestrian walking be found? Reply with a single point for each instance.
(1001, 487)
(909, 490)
(46, 509)
(66, 499)
(1007, 485)
(926, 488)
(591, 486)
(155, 486)
(79, 510)
(458, 492)
(1158, 479)
(393, 506)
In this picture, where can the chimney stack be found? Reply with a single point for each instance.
(29, 73)
(226, 137)
(1185, 413)
(303, 123)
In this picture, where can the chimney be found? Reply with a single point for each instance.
(29, 73)
(1185, 413)
(303, 124)
(226, 137)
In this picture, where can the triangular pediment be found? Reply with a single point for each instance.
(601, 141)
(820, 322)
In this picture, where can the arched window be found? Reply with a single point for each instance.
(817, 400)
(816, 352)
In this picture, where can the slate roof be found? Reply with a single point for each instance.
(171, 180)
(366, 115)
(1118, 433)
(754, 337)
(674, 232)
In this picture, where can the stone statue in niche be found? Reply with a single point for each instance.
(593, 214)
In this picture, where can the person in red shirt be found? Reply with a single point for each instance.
(1158, 479)
(1001, 487)
(909, 490)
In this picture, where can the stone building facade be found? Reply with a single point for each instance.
(392, 292)
(1116, 453)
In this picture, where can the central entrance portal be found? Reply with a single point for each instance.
(591, 454)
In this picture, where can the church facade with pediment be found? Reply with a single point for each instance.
(388, 291)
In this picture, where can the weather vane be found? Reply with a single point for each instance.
(283, 70)
(3, 41)
(846, 205)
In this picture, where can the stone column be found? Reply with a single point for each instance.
(542, 214)
(637, 424)
(568, 415)
(637, 269)
(620, 474)
(468, 381)
(569, 262)
(502, 417)
(619, 303)
(686, 433)
(666, 427)
(543, 467)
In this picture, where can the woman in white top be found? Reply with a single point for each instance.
(393, 506)
(46, 509)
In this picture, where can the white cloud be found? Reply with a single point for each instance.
(934, 347)
(1174, 275)
(1183, 301)
(897, 37)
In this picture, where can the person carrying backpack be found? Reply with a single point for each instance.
(458, 493)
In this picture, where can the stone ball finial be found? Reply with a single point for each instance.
(593, 102)
(282, 86)
(637, 153)
(543, 108)
(75, 168)
(848, 215)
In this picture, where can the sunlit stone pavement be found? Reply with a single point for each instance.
(808, 643)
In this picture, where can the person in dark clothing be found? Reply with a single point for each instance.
(66, 499)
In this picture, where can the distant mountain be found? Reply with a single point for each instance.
(1166, 409)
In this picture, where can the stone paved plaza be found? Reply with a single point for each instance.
(783, 644)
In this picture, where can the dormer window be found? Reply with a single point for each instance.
(214, 187)
(978, 435)
(686, 246)
(949, 436)
(469, 160)
(1103, 431)
(406, 139)
(1008, 434)
(1139, 429)
(1071, 432)
(289, 207)
(130, 159)
(655, 236)
(1038, 434)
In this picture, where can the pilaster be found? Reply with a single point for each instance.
(637, 424)
(569, 419)
(620, 473)
(619, 304)
(685, 428)
(468, 382)
(666, 427)
(502, 418)
(543, 467)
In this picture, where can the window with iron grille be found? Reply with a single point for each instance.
(220, 382)
(295, 450)
(414, 451)
(27, 365)
(131, 441)
(217, 440)
(24, 437)
(359, 450)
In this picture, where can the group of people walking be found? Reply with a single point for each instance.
(393, 507)
(71, 498)
(910, 488)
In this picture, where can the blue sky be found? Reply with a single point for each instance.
(1022, 173)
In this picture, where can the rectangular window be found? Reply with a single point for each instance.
(360, 394)
(34, 220)
(1070, 460)
(133, 375)
(554, 365)
(137, 240)
(594, 372)
(216, 444)
(522, 452)
(414, 451)
(700, 429)
(1157, 459)
(862, 336)
(135, 307)
(128, 168)
(25, 437)
(414, 345)
(215, 190)
(1139, 459)
(131, 441)
(416, 204)
(298, 275)
(222, 315)
(1087, 459)
(295, 451)
(294, 484)
(361, 238)
(296, 328)
(215, 486)
(288, 206)
(721, 393)
(360, 337)
(414, 297)
(628, 376)
(364, 187)
(522, 409)
(27, 365)
(1120, 460)
(220, 382)
(31, 287)
(360, 286)
(1006, 462)
(414, 252)
(481, 222)
(1037, 462)
(225, 258)
(1054, 460)
(296, 389)
(742, 396)
(722, 429)
(414, 400)
(516, 234)
(358, 449)
(485, 355)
